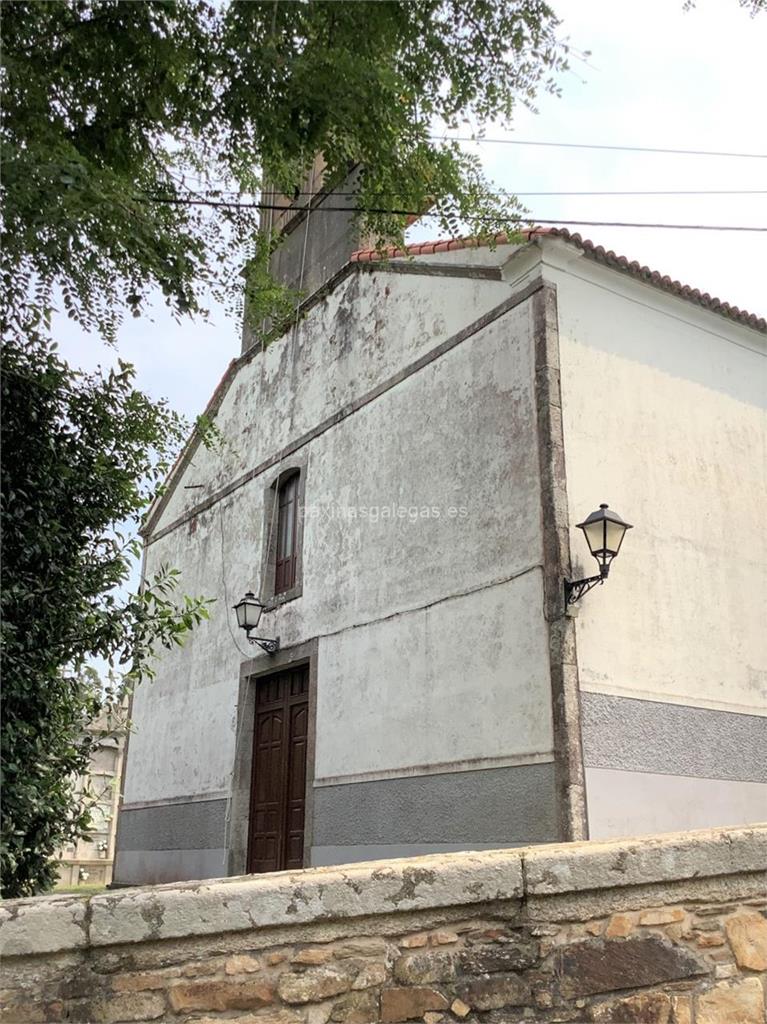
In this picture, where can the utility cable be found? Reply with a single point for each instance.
(531, 221)
(513, 192)
(591, 145)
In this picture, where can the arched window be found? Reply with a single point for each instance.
(287, 535)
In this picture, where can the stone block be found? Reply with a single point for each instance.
(578, 867)
(133, 1006)
(741, 1002)
(542, 996)
(319, 1013)
(273, 1016)
(360, 947)
(312, 955)
(494, 959)
(143, 981)
(726, 971)
(401, 1004)
(33, 1012)
(315, 984)
(459, 1008)
(681, 1009)
(647, 1008)
(488, 935)
(715, 910)
(356, 1008)
(414, 941)
(443, 938)
(424, 968)
(747, 935)
(228, 994)
(370, 975)
(33, 973)
(662, 915)
(707, 925)
(42, 924)
(242, 964)
(203, 968)
(495, 993)
(620, 925)
(594, 966)
(708, 940)
(224, 906)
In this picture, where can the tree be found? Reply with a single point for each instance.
(133, 136)
(124, 122)
(81, 453)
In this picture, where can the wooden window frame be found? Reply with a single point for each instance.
(269, 595)
(286, 523)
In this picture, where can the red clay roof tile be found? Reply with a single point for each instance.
(595, 252)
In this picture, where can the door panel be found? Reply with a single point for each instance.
(296, 788)
(266, 806)
(278, 786)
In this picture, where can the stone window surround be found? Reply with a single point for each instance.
(296, 465)
(250, 671)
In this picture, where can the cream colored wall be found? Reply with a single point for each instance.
(89, 861)
(664, 418)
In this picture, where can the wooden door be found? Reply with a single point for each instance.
(278, 786)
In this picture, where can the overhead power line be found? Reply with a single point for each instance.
(592, 145)
(532, 221)
(512, 192)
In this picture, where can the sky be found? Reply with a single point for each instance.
(657, 76)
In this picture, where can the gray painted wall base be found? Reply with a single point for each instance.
(172, 842)
(487, 809)
(189, 825)
(494, 807)
(674, 739)
(153, 867)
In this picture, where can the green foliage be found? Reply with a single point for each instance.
(270, 305)
(81, 453)
(124, 121)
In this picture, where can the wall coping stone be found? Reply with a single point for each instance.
(47, 924)
(673, 857)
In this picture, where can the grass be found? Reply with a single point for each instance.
(79, 890)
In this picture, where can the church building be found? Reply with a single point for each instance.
(399, 486)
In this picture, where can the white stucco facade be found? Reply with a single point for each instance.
(667, 414)
(409, 397)
(664, 416)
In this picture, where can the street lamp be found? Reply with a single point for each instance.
(248, 612)
(604, 531)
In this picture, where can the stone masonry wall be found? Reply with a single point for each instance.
(662, 930)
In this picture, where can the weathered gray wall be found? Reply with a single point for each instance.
(432, 660)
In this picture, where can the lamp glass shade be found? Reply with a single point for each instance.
(248, 612)
(604, 530)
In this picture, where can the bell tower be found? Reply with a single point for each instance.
(316, 229)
